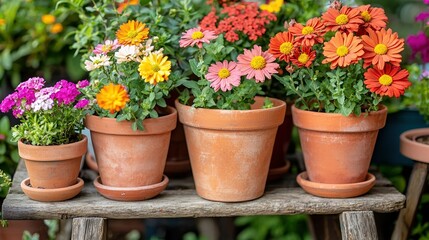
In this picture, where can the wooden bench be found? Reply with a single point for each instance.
(89, 210)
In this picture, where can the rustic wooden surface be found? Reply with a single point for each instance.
(414, 192)
(358, 225)
(89, 228)
(181, 200)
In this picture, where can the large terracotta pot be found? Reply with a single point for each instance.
(336, 148)
(128, 158)
(230, 150)
(55, 166)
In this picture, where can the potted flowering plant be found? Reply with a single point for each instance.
(339, 67)
(229, 131)
(49, 139)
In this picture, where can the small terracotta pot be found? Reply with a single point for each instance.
(336, 148)
(128, 158)
(412, 149)
(177, 158)
(55, 166)
(230, 150)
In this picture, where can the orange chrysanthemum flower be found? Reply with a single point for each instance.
(303, 57)
(381, 47)
(373, 17)
(342, 50)
(309, 34)
(282, 45)
(390, 81)
(346, 19)
(125, 4)
(132, 33)
(112, 97)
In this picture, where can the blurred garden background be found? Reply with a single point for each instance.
(48, 39)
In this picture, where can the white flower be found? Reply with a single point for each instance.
(148, 48)
(43, 101)
(128, 53)
(97, 61)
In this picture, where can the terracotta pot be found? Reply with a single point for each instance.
(55, 166)
(411, 148)
(128, 158)
(230, 150)
(178, 163)
(336, 148)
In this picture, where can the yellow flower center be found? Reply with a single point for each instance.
(385, 80)
(342, 19)
(380, 49)
(132, 34)
(342, 51)
(366, 16)
(303, 58)
(106, 48)
(155, 67)
(286, 47)
(258, 62)
(197, 35)
(307, 30)
(224, 73)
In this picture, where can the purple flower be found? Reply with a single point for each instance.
(426, 1)
(419, 44)
(422, 16)
(66, 92)
(35, 83)
(82, 84)
(9, 102)
(82, 103)
(17, 112)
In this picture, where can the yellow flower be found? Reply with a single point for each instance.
(112, 97)
(2, 22)
(272, 6)
(132, 33)
(56, 28)
(155, 68)
(48, 19)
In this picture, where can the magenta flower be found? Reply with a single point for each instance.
(9, 102)
(426, 1)
(35, 83)
(257, 64)
(195, 36)
(421, 17)
(82, 84)
(82, 103)
(66, 92)
(223, 75)
(107, 47)
(419, 44)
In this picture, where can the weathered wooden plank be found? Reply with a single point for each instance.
(415, 187)
(89, 228)
(358, 225)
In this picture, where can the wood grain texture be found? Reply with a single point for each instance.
(180, 200)
(358, 225)
(415, 187)
(89, 228)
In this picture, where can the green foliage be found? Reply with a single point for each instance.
(9, 157)
(418, 95)
(28, 46)
(273, 227)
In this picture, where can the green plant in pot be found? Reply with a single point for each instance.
(340, 68)
(48, 135)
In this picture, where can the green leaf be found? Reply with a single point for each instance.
(4, 125)
(194, 67)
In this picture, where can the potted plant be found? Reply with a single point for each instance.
(340, 67)
(229, 131)
(49, 139)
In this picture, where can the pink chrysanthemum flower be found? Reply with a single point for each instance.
(107, 47)
(223, 75)
(195, 36)
(257, 64)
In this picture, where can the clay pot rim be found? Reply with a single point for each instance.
(41, 194)
(411, 148)
(335, 190)
(162, 124)
(131, 193)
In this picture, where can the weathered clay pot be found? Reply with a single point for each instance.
(128, 158)
(55, 166)
(336, 148)
(411, 148)
(230, 150)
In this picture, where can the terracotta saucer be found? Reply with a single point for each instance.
(130, 193)
(335, 190)
(277, 173)
(412, 149)
(51, 195)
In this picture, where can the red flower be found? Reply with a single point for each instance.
(390, 81)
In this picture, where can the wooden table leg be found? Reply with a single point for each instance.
(415, 188)
(89, 228)
(358, 225)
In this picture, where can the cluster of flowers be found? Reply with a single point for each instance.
(359, 33)
(243, 17)
(419, 42)
(31, 95)
(132, 51)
